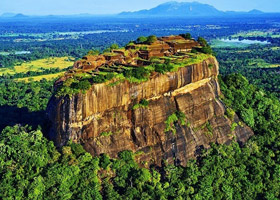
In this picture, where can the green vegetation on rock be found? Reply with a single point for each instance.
(206, 48)
(187, 36)
(230, 114)
(176, 117)
(142, 104)
(106, 134)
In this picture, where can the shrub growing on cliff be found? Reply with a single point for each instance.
(151, 39)
(114, 46)
(206, 48)
(176, 117)
(142, 104)
(138, 73)
(129, 44)
(106, 134)
(230, 114)
(170, 126)
(82, 85)
(187, 36)
(163, 68)
(72, 86)
(146, 40)
(93, 52)
(181, 117)
(141, 40)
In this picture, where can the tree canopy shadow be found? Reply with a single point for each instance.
(12, 115)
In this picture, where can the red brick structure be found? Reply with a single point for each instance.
(90, 62)
(179, 44)
(138, 54)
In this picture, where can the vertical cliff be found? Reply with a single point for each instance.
(184, 115)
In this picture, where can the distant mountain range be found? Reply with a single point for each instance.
(186, 9)
(13, 15)
(169, 9)
(22, 16)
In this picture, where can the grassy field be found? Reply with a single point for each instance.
(221, 44)
(38, 65)
(257, 34)
(275, 48)
(260, 63)
(39, 78)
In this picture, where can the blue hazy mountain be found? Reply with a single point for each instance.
(255, 12)
(13, 15)
(185, 9)
(20, 16)
(8, 15)
(169, 9)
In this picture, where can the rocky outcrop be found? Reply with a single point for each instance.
(103, 119)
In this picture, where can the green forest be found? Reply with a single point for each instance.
(32, 168)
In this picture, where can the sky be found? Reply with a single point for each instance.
(66, 7)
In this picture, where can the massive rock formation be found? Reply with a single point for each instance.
(103, 119)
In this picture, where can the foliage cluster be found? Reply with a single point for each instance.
(206, 48)
(171, 121)
(136, 72)
(146, 40)
(32, 168)
(82, 83)
(24, 103)
(187, 36)
(93, 52)
(33, 95)
(110, 49)
(256, 108)
(106, 134)
(142, 104)
(163, 68)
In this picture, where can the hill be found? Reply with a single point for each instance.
(186, 9)
(158, 96)
(13, 15)
(8, 15)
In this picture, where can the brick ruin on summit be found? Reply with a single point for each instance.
(137, 54)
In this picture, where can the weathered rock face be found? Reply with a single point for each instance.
(192, 90)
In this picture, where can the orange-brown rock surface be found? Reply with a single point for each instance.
(103, 119)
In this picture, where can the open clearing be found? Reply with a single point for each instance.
(38, 65)
(39, 78)
(257, 34)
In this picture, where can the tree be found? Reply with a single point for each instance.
(248, 116)
(114, 46)
(141, 39)
(31, 167)
(151, 39)
(93, 52)
(187, 36)
(202, 41)
(205, 46)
